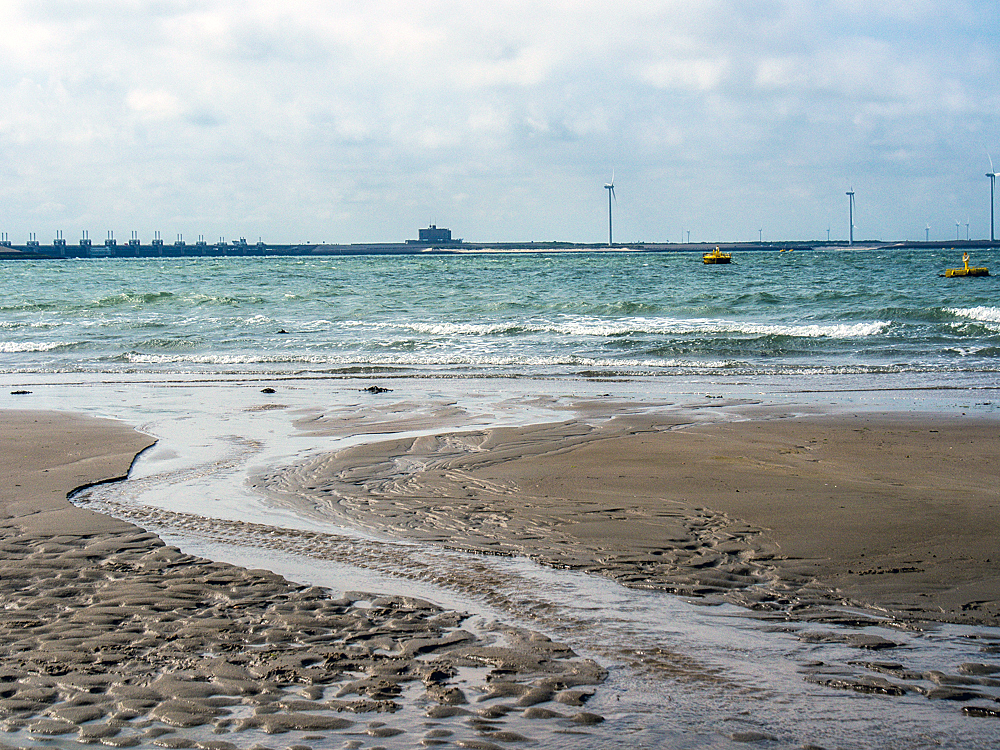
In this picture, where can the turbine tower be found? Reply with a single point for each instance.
(610, 187)
(850, 195)
(993, 184)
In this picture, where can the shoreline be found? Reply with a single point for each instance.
(112, 636)
(889, 512)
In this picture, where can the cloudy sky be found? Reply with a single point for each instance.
(332, 121)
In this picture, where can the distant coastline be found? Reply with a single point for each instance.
(263, 249)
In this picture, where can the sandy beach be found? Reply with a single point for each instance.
(109, 636)
(896, 513)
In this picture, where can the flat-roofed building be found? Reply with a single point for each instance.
(432, 234)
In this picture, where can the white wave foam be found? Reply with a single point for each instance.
(582, 326)
(416, 360)
(256, 320)
(21, 347)
(11, 325)
(471, 329)
(221, 359)
(833, 331)
(981, 314)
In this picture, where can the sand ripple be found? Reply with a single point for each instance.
(119, 639)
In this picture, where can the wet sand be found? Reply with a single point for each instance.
(109, 636)
(894, 513)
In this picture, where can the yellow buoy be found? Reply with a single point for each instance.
(967, 271)
(716, 256)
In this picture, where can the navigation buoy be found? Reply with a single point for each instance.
(967, 271)
(716, 256)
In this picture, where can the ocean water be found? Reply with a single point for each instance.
(772, 314)
(182, 348)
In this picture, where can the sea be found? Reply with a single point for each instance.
(886, 314)
(221, 358)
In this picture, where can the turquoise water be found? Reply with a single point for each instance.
(598, 314)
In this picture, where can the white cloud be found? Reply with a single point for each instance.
(158, 104)
(357, 121)
(702, 75)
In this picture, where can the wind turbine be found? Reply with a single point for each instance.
(610, 187)
(958, 230)
(850, 195)
(927, 230)
(993, 184)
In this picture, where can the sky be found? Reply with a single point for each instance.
(348, 122)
